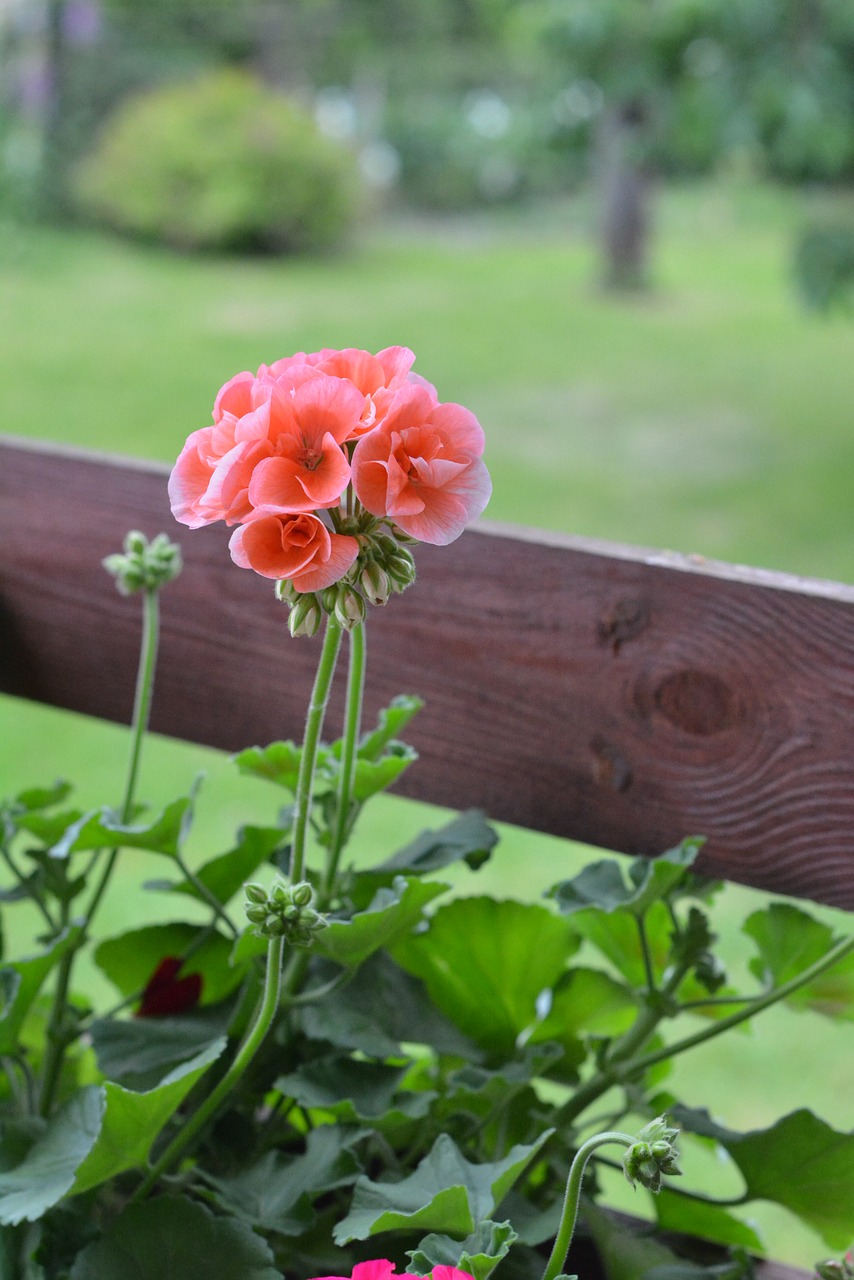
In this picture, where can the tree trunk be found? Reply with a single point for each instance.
(54, 148)
(624, 195)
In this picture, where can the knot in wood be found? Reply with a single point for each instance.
(625, 621)
(697, 702)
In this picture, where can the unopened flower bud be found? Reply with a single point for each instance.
(652, 1155)
(286, 591)
(375, 583)
(329, 597)
(256, 913)
(255, 892)
(302, 893)
(401, 569)
(304, 617)
(349, 607)
(144, 565)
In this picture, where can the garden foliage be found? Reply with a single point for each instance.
(220, 162)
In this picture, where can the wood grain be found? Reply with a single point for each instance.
(614, 696)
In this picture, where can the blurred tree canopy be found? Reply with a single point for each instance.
(687, 84)
(493, 99)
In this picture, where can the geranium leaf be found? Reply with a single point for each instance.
(224, 875)
(372, 776)
(130, 959)
(625, 1255)
(485, 963)
(587, 1001)
(276, 1192)
(180, 1238)
(131, 1121)
(280, 762)
(21, 981)
(385, 1006)
(352, 1090)
(391, 720)
(789, 940)
(392, 913)
(709, 1221)
(47, 1172)
(800, 1162)
(139, 1052)
(102, 828)
(446, 1194)
(606, 885)
(468, 838)
(36, 798)
(478, 1255)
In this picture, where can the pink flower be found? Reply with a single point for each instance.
(296, 546)
(210, 480)
(382, 1269)
(308, 425)
(377, 377)
(422, 467)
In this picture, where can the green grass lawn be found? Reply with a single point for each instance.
(710, 415)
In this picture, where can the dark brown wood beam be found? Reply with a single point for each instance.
(615, 696)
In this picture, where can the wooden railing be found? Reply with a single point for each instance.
(619, 697)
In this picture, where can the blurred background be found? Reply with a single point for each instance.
(620, 231)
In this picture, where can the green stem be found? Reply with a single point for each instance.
(251, 1044)
(349, 748)
(311, 738)
(563, 1239)
(218, 910)
(612, 1074)
(141, 715)
(57, 1035)
(837, 952)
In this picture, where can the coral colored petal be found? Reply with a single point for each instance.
(327, 405)
(188, 481)
(235, 396)
(460, 426)
(275, 486)
(325, 482)
(442, 520)
(402, 498)
(341, 558)
(260, 545)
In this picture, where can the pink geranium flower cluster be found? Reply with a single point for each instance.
(311, 454)
(382, 1269)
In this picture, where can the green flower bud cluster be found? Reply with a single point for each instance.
(284, 912)
(837, 1269)
(652, 1155)
(144, 565)
(384, 566)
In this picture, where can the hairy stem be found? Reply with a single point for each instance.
(563, 1239)
(349, 748)
(311, 738)
(252, 1041)
(58, 1037)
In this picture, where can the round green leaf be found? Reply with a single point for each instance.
(167, 1237)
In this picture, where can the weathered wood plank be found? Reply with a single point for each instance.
(621, 698)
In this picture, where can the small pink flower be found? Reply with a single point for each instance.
(308, 425)
(296, 546)
(382, 1269)
(422, 467)
(210, 480)
(378, 377)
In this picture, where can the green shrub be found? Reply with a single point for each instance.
(824, 265)
(219, 162)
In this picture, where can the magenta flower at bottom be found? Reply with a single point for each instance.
(382, 1269)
